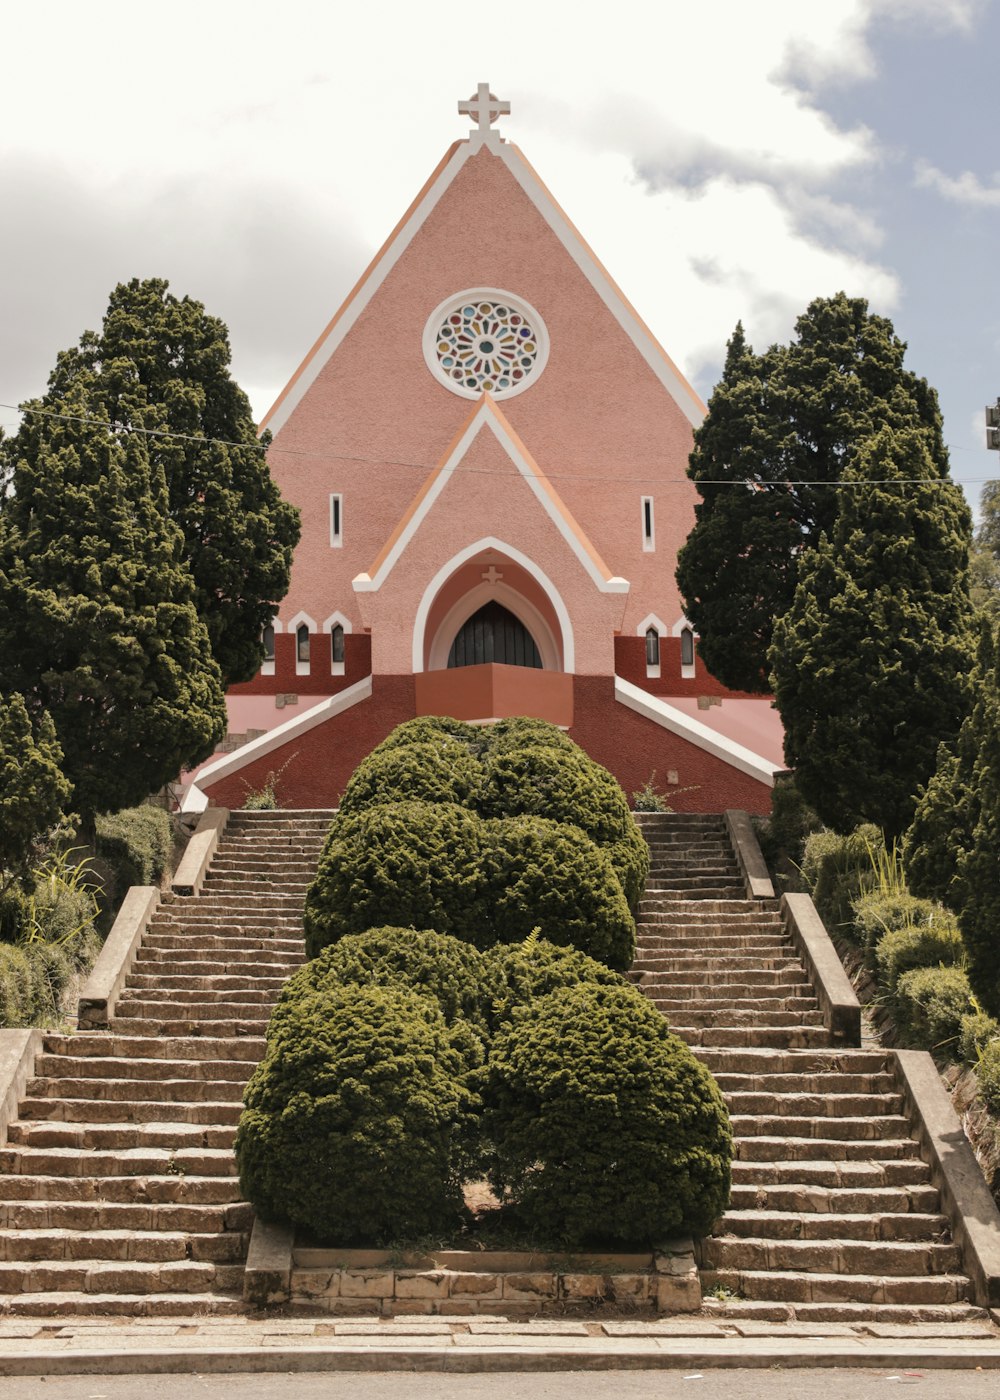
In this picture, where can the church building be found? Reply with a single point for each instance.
(488, 448)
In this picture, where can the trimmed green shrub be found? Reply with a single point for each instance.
(988, 1075)
(430, 729)
(629, 858)
(358, 1120)
(541, 781)
(440, 771)
(515, 974)
(877, 914)
(930, 1003)
(33, 977)
(409, 863)
(432, 964)
(602, 1124)
(791, 823)
(544, 874)
(139, 842)
(839, 870)
(977, 1031)
(522, 730)
(929, 945)
(435, 865)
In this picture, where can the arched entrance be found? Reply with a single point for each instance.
(494, 634)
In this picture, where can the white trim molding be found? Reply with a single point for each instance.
(651, 620)
(516, 557)
(685, 726)
(196, 800)
(679, 628)
(334, 620)
(525, 612)
(302, 668)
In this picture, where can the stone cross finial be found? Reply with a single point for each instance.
(484, 108)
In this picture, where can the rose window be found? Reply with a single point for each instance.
(485, 344)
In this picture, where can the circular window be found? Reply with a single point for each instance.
(485, 341)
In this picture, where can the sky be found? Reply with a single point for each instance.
(726, 161)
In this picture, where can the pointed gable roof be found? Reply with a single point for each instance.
(413, 220)
(487, 416)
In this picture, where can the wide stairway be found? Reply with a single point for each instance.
(118, 1189)
(832, 1215)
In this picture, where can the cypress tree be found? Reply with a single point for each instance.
(98, 625)
(870, 664)
(794, 414)
(33, 790)
(978, 866)
(161, 363)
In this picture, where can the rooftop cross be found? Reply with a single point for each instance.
(485, 108)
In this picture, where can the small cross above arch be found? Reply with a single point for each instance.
(484, 108)
(492, 575)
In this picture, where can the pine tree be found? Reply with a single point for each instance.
(162, 363)
(795, 414)
(978, 865)
(98, 625)
(870, 663)
(33, 790)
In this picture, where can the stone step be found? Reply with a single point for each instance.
(79, 1073)
(756, 1018)
(130, 1108)
(841, 1173)
(820, 1086)
(831, 1202)
(753, 1037)
(190, 1026)
(797, 1225)
(128, 1245)
(151, 959)
(177, 1134)
(88, 1276)
(230, 994)
(170, 939)
(122, 1161)
(852, 1257)
(738, 964)
(749, 983)
(125, 1216)
(829, 1105)
(957, 1315)
(177, 1188)
(774, 1061)
(795, 1287)
(759, 1147)
(858, 1131)
(116, 1045)
(68, 1303)
(205, 1009)
(740, 1006)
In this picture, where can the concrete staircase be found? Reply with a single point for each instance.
(118, 1189)
(833, 1216)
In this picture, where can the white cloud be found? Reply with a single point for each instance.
(966, 188)
(259, 157)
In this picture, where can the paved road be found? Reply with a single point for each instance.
(576, 1385)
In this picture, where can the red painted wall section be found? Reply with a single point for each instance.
(633, 747)
(320, 763)
(319, 681)
(630, 664)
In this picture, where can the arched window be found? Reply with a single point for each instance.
(302, 644)
(268, 639)
(494, 634)
(687, 647)
(652, 647)
(336, 644)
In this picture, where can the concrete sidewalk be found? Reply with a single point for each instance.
(107, 1345)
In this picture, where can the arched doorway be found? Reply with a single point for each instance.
(494, 634)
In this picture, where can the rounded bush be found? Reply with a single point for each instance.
(977, 1031)
(930, 1003)
(928, 945)
(629, 858)
(409, 863)
(444, 771)
(515, 974)
(603, 1125)
(357, 1120)
(543, 874)
(520, 730)
(432, 964)
(988, 1075)
(562, 785)
(839, 870)
(434, 729)
(877, 914)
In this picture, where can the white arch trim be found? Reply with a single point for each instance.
(652, 621)
(471, 602)
(680, 625)
(296, 622)
(334, 619)
(516, 557)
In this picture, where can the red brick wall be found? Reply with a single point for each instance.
(357, 665)
(630, 664)
(632, 747)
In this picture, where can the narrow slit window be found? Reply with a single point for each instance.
(652, 647)
(336, 521)
(337, 644)
(302, 644)
(268, 640)
(687, 647)
(648, 530)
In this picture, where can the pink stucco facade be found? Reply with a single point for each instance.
(566, 503)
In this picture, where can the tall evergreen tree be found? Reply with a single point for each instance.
(33, 790)
(978, 864)
(98, 625)
(870, 663)
(162, 363)
(795, 414)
